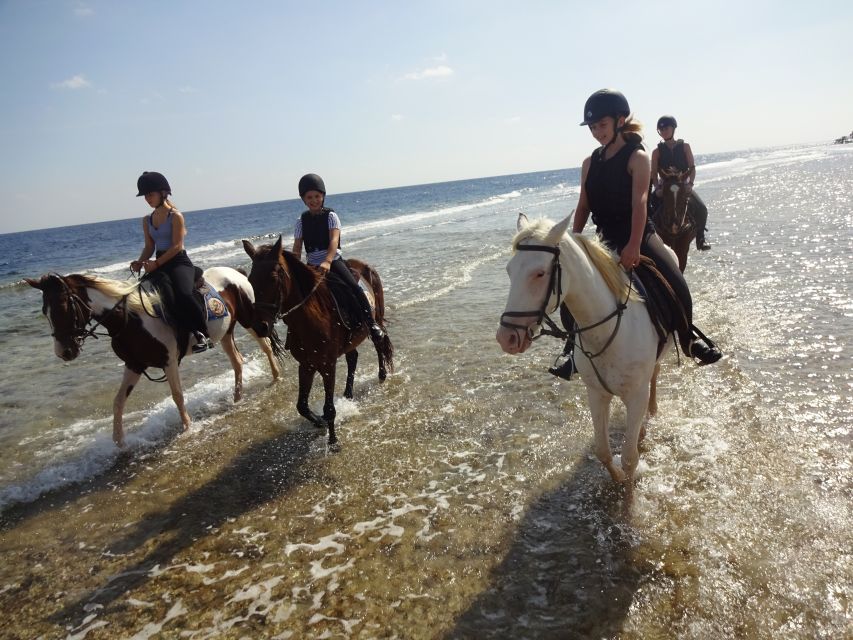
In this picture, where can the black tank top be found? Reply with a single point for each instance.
(315, 231)
(609, 190)
(674, 157)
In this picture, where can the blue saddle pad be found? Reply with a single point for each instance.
(216, 309)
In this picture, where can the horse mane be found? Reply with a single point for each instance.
(141, 302)
(602, 258)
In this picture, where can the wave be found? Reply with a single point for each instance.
(84, 450)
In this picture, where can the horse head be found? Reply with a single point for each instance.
(269, 278)
(534, 282)
(66, 306)
(674, 214)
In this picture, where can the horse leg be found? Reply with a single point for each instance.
(653, 395)
(236, 358)
(128, 381)
(266, 347)
(174, 378)
(636, 404)
(599, 407)
(329, 412)
(352, 361)
(306, 380)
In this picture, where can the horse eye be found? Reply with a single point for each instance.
(540, 273)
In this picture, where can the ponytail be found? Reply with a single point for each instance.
(632, 130)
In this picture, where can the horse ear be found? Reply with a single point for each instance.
(250, 249)
(277, 247)
(557, 231)
(38, 284)
(522, 221)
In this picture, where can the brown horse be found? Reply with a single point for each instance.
(317, 332)
(76, 305)
(674, 220)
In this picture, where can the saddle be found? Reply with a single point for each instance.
(204, 293)
(665, 310)
(346, 303)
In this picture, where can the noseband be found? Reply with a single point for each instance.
(534, 331)
(83, 315)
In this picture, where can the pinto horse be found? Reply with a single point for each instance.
(317, 335)
(76, 305)
(617, 343)
(673, 218)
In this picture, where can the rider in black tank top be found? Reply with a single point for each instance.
(614, 189)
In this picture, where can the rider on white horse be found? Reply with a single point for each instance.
(614, 189)
(677, 154)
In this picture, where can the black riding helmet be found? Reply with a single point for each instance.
(603, 103)
(152, 181)
(667, 121)
(311, 182)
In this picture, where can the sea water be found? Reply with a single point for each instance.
(466, 500)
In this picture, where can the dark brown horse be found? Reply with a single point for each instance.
(673, 219)
(317, 332)
(76, 304)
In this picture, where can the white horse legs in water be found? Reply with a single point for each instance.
(617, 343)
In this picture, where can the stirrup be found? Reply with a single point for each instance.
(565, 370)
(705, 354)
(376, 333)
(702, 244)
(202, 344)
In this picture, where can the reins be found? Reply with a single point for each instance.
(276, 306)
(555, 286)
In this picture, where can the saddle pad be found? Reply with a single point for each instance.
(213, 302)
(345, 301)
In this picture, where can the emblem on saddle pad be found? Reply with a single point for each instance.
(213, 302)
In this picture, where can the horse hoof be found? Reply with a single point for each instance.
(335, 447)
(382, 375)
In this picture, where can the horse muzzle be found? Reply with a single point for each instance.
(67, 351)
(514, 340)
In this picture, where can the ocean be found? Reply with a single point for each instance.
(466, 500)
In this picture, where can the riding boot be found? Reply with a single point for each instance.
(701, 243)
(376, 332)
(703, 348)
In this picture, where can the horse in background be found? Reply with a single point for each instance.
(617, 349)
(317, 332)
(77, 304)
(673, 218)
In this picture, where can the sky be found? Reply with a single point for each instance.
(234, 101)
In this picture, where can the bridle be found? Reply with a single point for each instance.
(275, 306)
(83, 314)
(534, 331)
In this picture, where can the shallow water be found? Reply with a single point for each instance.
(466, 501)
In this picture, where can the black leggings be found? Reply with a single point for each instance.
(340, 268)
(177, 284)
(700, 214)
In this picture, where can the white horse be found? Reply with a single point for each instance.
(617, 343)
(140, 338)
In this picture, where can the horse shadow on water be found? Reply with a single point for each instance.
(259, 475)
(571, 571)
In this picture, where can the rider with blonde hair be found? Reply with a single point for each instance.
(614, 190)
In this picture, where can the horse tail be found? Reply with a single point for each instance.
(385, 347)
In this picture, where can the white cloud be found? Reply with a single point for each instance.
(441, 71)
(512, 120)
(187, 89)
(75, 82)
(396, 117)
(83, 10)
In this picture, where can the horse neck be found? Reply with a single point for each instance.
(584, 290)
(302, 279)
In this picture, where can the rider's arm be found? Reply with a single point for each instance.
(640, 170)
(297, 247)
(147, 250)
(582, 211)
(653, 176)
(691, 165)
(332, 250)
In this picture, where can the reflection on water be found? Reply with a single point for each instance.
(466, 502)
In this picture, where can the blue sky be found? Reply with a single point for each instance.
(233, 101)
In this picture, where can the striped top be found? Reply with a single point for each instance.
(315, 258)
